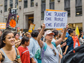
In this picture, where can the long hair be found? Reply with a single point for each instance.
(3, 38)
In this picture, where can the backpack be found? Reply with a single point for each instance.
(74, 56)
(53, 43)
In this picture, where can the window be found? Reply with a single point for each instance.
(78, 2)
(16, 3)
(11, 3)
(43, 7)
(5, 5)
(51, 4)
(25, 3)
(42, 15)
(67, 6)
(78, 7)
(32, 3)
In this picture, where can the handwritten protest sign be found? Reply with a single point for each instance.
(55, 19)
(2, 25)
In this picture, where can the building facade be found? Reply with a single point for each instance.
(32, 11)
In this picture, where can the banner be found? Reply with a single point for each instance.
(32, 26)
(55, 19)
(2, 25)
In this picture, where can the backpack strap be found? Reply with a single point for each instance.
(2, 57)
(17, 56)
(54, 43)
(45, 46)
(16, 52)
(43, 50)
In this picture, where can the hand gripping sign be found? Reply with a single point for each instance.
(55, 19)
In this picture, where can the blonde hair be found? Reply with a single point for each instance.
(27, 33)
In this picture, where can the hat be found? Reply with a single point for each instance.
(48, 32)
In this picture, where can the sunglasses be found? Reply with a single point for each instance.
(54, 52)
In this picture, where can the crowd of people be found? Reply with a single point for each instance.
(40, 46)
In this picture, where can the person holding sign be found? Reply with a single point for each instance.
(49, 53)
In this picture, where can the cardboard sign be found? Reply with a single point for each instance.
(55, 19)
(2, 25)
(32, 26)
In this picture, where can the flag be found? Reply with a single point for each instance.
(77, 31)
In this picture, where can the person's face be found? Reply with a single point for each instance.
(49, 37)
(29, 35)
(27, 43)
(17, 36)
(74, 33)
(9, 39)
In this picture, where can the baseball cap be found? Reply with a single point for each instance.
(48, 32)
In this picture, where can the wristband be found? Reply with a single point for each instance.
(18, 56)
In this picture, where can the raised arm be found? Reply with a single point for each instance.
(62, 37)
(40, 35)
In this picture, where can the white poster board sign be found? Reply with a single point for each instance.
(55, 19)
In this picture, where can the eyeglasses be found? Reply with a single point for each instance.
(54, 52)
